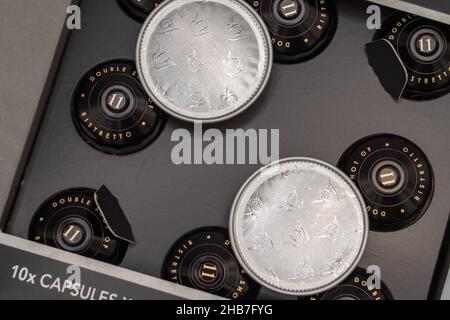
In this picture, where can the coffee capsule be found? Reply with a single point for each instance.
(357, 287)
(71, 221)
(203, 260)
(423, 46)
(204, 60)
(299, 226)
(111, 111)
(300, 29)
(395, 179)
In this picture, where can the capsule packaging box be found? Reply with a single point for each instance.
(43, 153)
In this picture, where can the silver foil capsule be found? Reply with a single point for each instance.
(299, 226)
(204, 60)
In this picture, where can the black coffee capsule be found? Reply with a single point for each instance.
(138, 9)
(300, 29)
(356, 287)
(71, 221)
(111, 111)
(203, 260)
(422, 45)
(394, 177)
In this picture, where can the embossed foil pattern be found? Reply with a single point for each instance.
(204, 60)
(299, 226)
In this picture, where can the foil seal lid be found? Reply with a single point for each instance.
(299, 226)
(204, 60)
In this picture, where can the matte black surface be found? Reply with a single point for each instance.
(321, 106)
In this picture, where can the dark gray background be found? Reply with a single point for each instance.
(321, 106)
(32, 37)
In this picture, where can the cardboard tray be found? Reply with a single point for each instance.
(321, 106)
